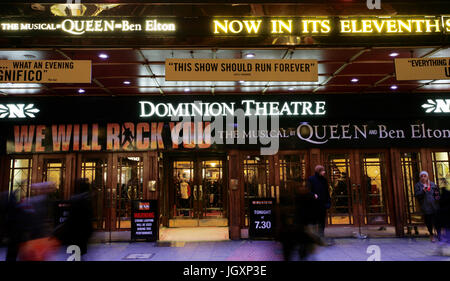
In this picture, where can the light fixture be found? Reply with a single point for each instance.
(187, 89)
(250, 55)
(291, 88)
(394, 54)
(81, 91)
(355, 80)
(242, 81)
(127, 82)
(103, 56)
(394, 87)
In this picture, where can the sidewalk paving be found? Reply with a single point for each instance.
(344, 249)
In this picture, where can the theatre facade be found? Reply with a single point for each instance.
(204, 114)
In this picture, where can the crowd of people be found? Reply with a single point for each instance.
(32, 229)
(302, 218)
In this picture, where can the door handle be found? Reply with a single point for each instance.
(201, 192)
(195, 192)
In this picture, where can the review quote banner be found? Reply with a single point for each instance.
(241, 70)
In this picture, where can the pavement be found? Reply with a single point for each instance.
(343, 249)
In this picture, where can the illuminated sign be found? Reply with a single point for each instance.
(325, 26)
(45, 71)
(422, 69)
(241, 69)
(229, 26)
(250, 108)
(18, 111)
(437, 106)
(80, 27)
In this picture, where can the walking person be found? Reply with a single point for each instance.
(318, 185)
(427, 193)
(77, 229)
(444, 215)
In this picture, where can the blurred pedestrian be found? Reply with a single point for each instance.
(318, 184)
(10, 224)
(286, 230)
(33, 224)
(78, 228)
(427, 194)
(444, 215)
(304, 218)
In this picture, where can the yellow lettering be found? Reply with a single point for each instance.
(232, 29)
(252, 26)
(391, 26)
(345, 26)
(354, 27)
(407, 26)
(367, 26)
(447, 24)
(418, 25)
(377, 26)
(436, 26)
(278, 26)
(326, 27)
(218, 24)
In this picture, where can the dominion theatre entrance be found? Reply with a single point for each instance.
(359, 186)
(195, 190)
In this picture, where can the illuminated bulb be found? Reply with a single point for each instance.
(103, 56)
(394, 87)
(250, 55)
(81, 91)
(187, 90)
(394, 54)
(355, 80)
(127, 82)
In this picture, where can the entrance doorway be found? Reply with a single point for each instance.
(359, 188)
(196, 189)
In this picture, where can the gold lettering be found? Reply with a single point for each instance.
(354, 27)
(436, 26)
(279, 26)
(326, 27)
(377, 26)
(391, 26)
(345, 26)
(223, 27)
(233, 30)
(252, 26)
(447, 24)
(407, 26)
(418, 25)
(367, 26)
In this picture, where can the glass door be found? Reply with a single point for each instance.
(95, 170)
(358, 193)
(197, 192)
(338, 170)
(374, 188)
(211, 190)
(256, 181)
(182, 186)
(129, 185)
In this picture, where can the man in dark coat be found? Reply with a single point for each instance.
(77, 229)
(318, 185)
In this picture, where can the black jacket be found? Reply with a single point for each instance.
(319, 186)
